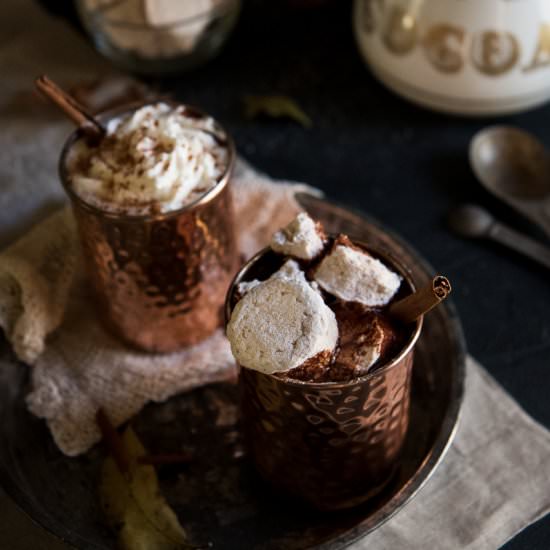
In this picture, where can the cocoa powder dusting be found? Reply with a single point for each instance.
(313, 369)
(360, 329)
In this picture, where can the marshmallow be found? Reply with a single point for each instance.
(281, 323)
(362, 349)
(365, 337)
(302, 238)
(354, 276)
(366, 356)
(245, 286)
(290, 270)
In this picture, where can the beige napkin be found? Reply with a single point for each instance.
(81, 367)
(494, 480)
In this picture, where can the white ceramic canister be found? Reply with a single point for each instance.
(474, 57)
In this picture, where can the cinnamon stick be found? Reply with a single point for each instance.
(112, 440)
(70, 107)
(420, 302)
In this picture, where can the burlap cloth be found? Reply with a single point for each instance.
(49, 317)
(486, 489)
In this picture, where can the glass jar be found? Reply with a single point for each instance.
(158, 36)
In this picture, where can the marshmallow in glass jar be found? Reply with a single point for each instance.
(158, 36)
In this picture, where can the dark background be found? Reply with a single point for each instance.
(401, 164)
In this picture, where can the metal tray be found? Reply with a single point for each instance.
(218, 497)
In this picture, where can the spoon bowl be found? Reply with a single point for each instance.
(512, 162)
(515, 167)
(469, 220)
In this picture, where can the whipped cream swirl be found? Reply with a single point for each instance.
(155, 159)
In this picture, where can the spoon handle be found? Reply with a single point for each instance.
(520, 243)
(545, 217)
(539, 215)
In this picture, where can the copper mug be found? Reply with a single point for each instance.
(160, 279)
(333, 445)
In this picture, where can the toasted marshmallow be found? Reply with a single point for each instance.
(290, 270)
(366, 349)
(354, 276)
(281, 323)
(302, 238)
(365, 337)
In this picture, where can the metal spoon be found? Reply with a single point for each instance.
(473, 221)
(514, 166)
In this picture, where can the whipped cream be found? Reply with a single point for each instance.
(155, 158)
(355, 276)
(280, 323)
(302, 238)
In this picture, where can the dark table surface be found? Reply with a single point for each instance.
(401, 164)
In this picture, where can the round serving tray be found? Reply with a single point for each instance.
(218, 497)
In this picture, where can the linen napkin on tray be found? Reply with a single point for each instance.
(485, 490)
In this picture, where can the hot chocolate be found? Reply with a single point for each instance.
(322, 320)
(327, 421)
(152, 200)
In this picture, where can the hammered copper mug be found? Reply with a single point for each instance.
(160, 279)
(333, 445)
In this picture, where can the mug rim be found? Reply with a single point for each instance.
(118, 111)
(408, 348)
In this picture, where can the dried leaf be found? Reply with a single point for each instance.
(276, 106)
(133, 504)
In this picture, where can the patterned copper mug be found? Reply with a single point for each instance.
(332, 444)
(160, 279)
